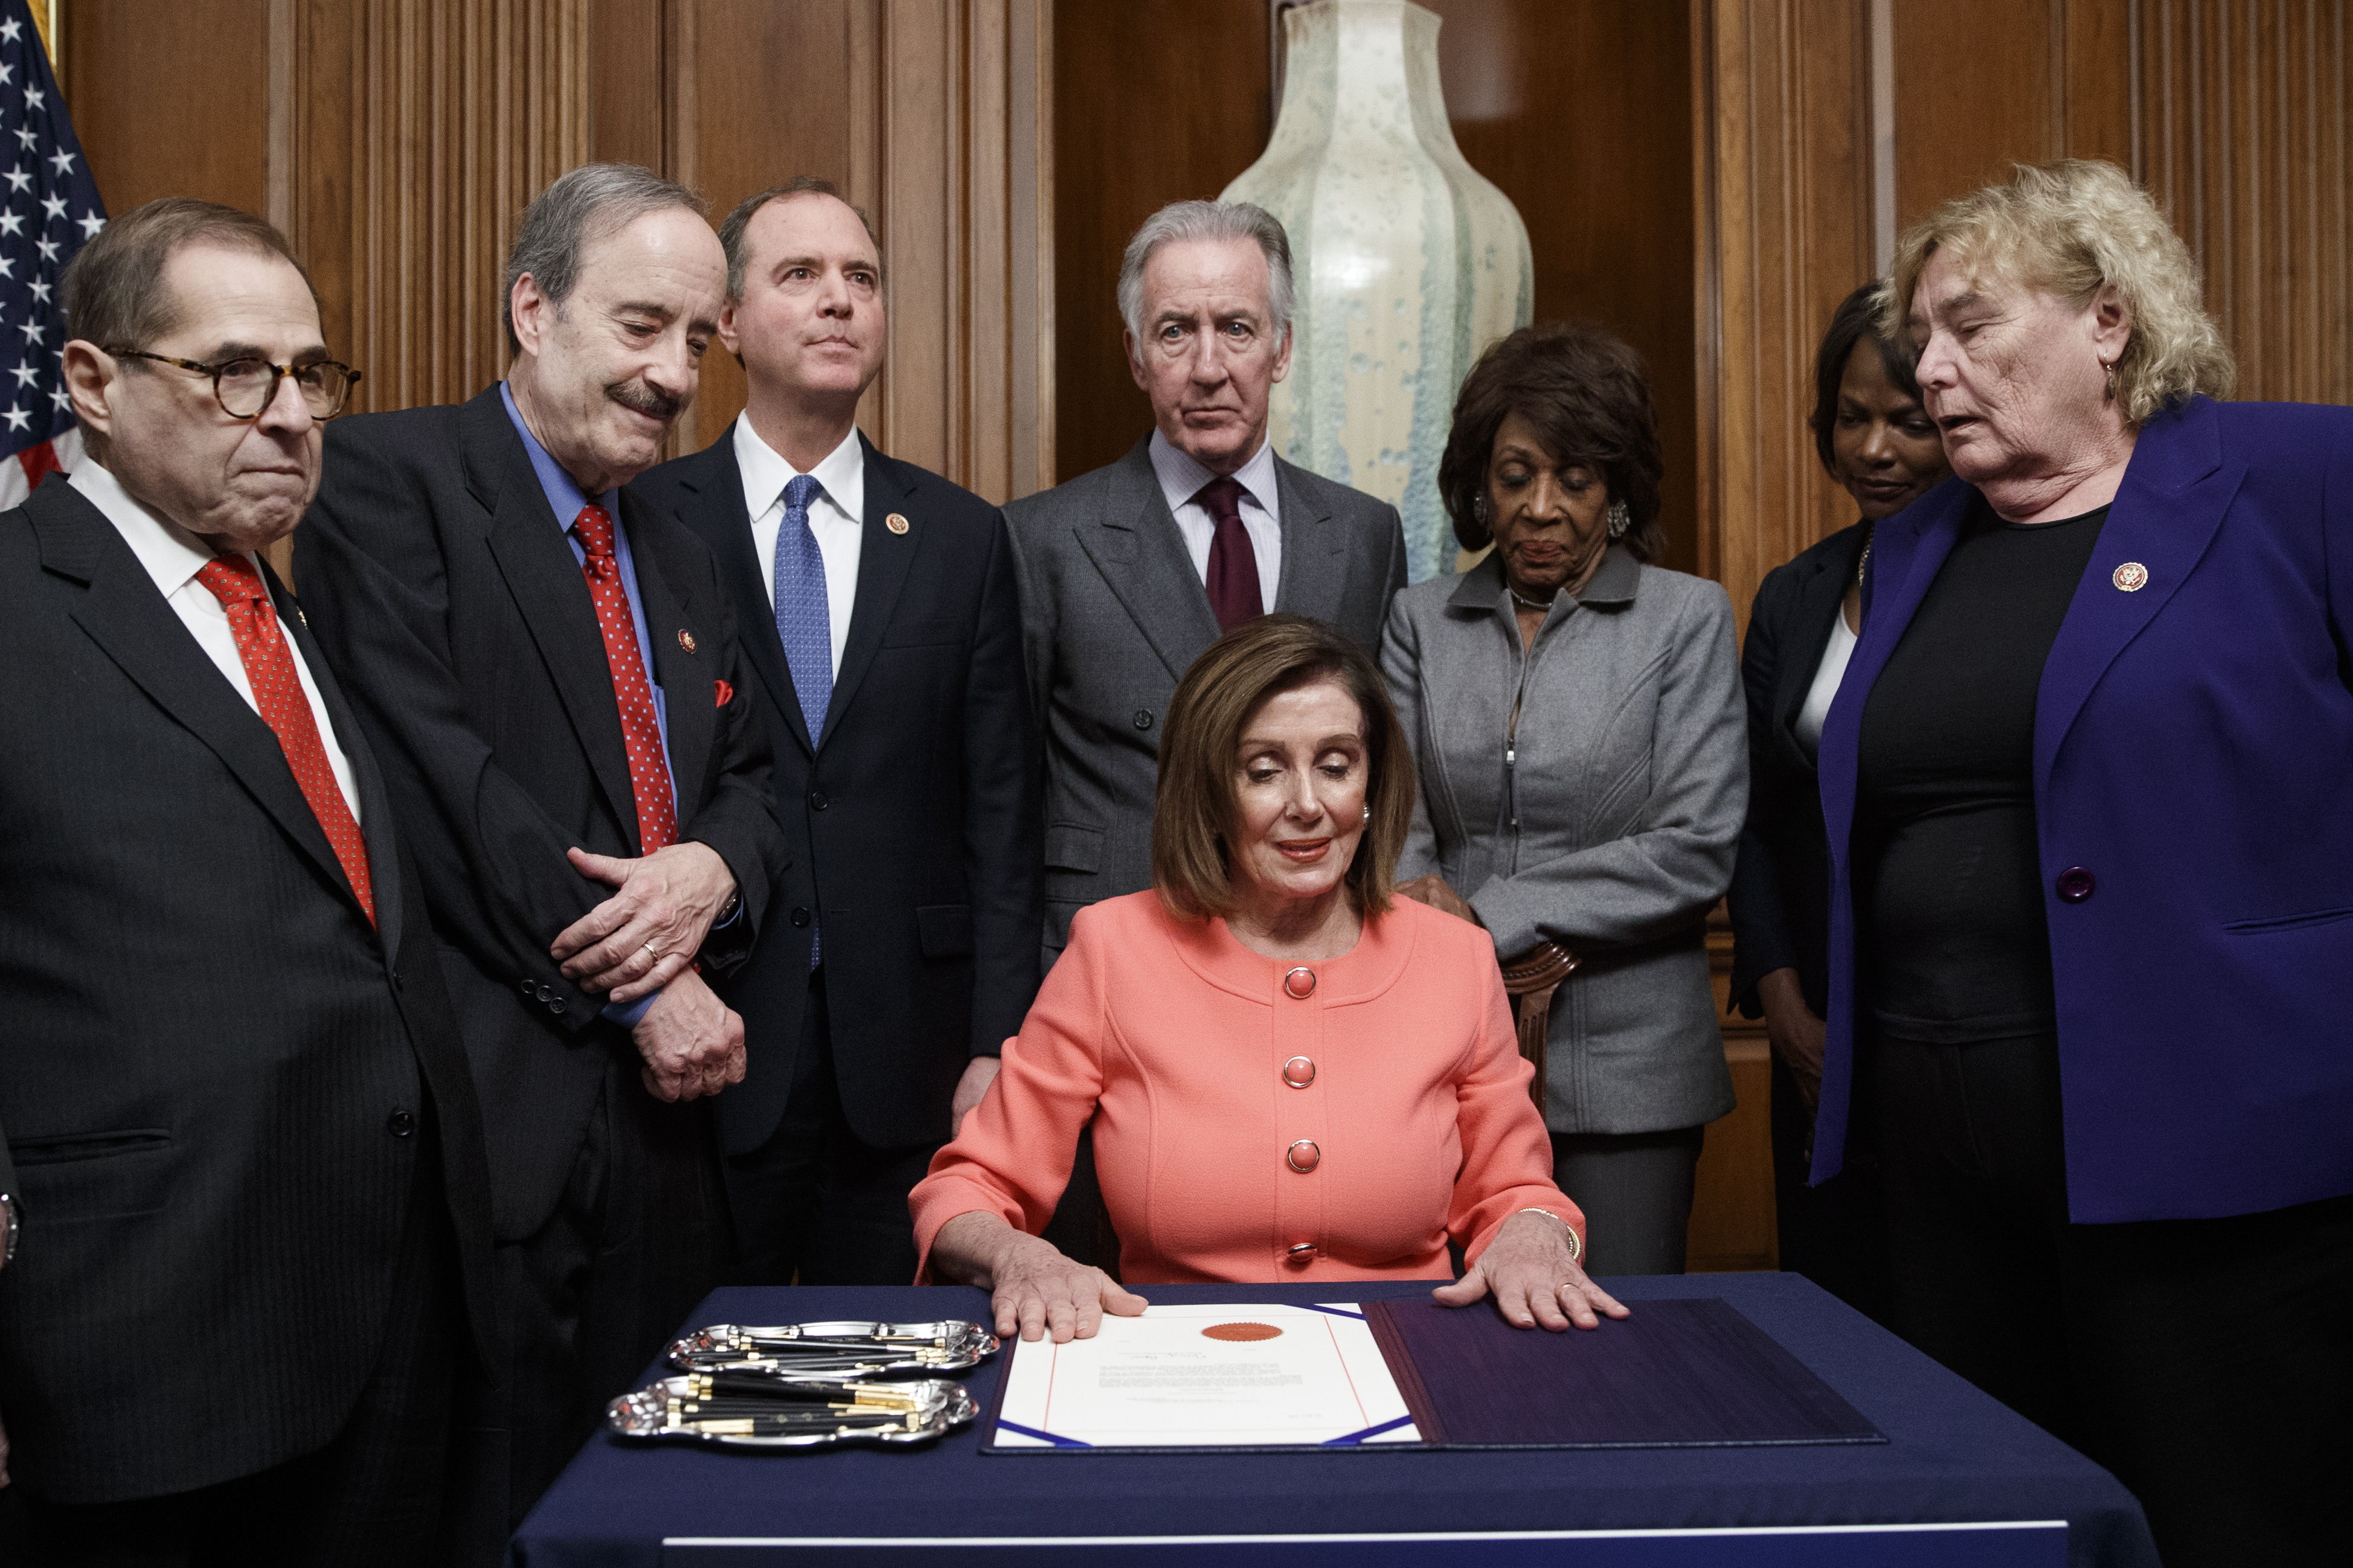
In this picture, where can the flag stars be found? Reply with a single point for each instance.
(26, 373)
(34, 98)
(61, 397)
(17, 179)
(11, 222)
(63, 162)
(91, 224)
(48, 247)
(18, 419)
(10, 29)
(28, 136)
(40, 290)
(54, 206)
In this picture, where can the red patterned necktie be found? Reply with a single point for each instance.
(648, 774)
(1232, 578)
(286, 708)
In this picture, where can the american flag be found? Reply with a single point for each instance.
(49, 208)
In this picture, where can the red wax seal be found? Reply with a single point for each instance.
(1243, 1331)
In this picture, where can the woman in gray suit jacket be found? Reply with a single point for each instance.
(1576, 715)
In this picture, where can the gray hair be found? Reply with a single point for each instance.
(1183, 221)
(590, 203)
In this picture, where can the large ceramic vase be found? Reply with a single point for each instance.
(1408, 262)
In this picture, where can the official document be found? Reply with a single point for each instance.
(1216, 1376)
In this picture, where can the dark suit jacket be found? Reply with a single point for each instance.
(208, 1053)
(918, 811)
(1780, 898)
(445, 594)
(1115, 613)
(2193, 801)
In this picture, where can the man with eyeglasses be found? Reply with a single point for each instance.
(551, 671)
(246, 1294)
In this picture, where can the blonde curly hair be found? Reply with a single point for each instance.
(2068, 228)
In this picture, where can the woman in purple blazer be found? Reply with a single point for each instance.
(2089, 791)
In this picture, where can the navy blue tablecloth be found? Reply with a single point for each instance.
(1953, 1454)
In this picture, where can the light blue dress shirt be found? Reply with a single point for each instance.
(565, 500)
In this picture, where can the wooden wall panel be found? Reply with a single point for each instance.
(2242, 136)
(1134, 128)
(1785, 232)
(171, 99)
(1604, 187)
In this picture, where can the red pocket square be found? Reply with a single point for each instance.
(726, 692)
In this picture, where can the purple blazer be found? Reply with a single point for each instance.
(2193, 791)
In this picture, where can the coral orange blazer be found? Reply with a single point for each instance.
(1211, 1080)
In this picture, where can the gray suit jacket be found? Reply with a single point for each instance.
(1113, 612)
(1609, 829)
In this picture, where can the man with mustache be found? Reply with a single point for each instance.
(879, 605)
(550, 673)
(1130, 572)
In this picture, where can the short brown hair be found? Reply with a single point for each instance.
(730, 232)
(1588, 395)
(113, 290)
(1193, 809)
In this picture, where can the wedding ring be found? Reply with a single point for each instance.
(656, 952)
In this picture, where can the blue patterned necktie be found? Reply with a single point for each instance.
(804, 619)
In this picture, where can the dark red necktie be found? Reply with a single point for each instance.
(284, 706)
(641, 731)
(1232, 579)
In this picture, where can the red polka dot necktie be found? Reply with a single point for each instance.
(1232, 576)
(641, 732)
(286, 708)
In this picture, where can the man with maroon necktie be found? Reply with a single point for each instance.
(245, 1258)
(1130, 572)
(552, 673)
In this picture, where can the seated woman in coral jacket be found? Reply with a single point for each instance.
(1291, 1077)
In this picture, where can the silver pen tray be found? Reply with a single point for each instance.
(836, 1349)
(934, 1406)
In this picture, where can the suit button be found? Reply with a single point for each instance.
(1303, 1252)
(1143, 717)
(1299, 1072)
(530, 989)
(400, 1124)
(1299, 983)
(1304, 1156)
(817, 800)
(2076, 884)
(800, 917)
(555, 1006)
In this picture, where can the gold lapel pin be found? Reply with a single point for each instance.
(686, 639)
(2131, 577)
(896, 524)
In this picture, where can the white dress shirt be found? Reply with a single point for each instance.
(1827, 677)
(173, 556)
(837, 518)
(1181, 480)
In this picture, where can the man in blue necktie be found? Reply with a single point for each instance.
(877, 603)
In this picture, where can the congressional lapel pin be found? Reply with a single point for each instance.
(686, 639)
(896, 524)
(2131, 577)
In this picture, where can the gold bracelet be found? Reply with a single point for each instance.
(1575, 1242)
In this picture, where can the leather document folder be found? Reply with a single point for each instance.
(1687, 1373)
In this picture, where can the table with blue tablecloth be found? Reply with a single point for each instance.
(1972, 1482)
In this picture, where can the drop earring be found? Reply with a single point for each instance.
(1621, 520)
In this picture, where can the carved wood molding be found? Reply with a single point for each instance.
(1782, 136)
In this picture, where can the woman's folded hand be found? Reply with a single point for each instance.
(1534, 1278)
(1032, 1287)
